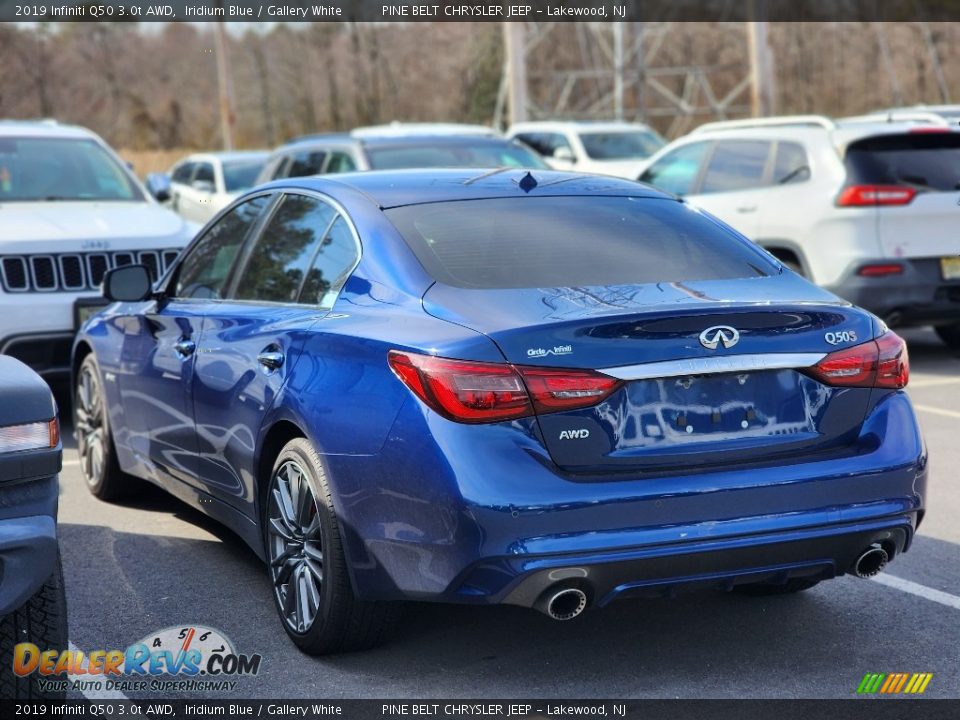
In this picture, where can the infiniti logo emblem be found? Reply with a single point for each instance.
(713, 336)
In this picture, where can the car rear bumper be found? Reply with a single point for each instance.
(484, 517)
(917, 296)
(28, 539)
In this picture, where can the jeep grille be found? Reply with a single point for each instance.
(73, 272)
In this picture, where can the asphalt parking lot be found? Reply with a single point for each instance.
(136, 568)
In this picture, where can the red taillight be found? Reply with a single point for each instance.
(869, 195)
(479, 392)
(557, 389)
(893, 366)
(881, 363)
(880, 270)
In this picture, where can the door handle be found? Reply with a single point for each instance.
(270, 360)
(185, 347)
(747, 209)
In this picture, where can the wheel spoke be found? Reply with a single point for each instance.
(301, 588)
(316, 570)
(313, 552)
(279, 527)
(281, 494)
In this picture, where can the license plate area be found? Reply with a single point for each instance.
(85, 308)
(950, 268)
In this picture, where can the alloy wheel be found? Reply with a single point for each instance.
(89, 424)
(295, 547)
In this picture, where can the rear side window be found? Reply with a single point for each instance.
(285, 250)
(332, 263)
(790, 165)
(736, 165)
(306, 163)
(924, 161)
(534, 242)
(677, 171)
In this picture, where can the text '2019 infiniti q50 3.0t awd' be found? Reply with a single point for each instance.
(548, 390)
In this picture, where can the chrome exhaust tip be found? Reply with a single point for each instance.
(871, 562)
(565, 604)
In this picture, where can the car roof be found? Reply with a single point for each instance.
(422, 128)
(43, 128)
(839, 133)
(395, 188)
(577, 125)
(227, 155)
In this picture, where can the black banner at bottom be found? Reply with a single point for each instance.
(854, 709)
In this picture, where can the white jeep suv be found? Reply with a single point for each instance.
(866, 208)
(70, 210)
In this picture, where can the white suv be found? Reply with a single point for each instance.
(606, 148)
(70, 210)
(866, 208)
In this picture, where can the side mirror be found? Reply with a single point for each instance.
(565, 154)
(204, 186)
(130, 283)
(158, 185)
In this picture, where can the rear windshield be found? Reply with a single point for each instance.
(482, 154)
(632, 145)
(924, 160)
(573, 241)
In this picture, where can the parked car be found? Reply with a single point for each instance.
(338, 153)
(865, 208)
(608, 148)
(536, 388)
(950, 113)
(71, 210)
(33, 606)
(201, 185)
(422, 128)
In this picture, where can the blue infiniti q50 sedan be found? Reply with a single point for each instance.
(549, 390)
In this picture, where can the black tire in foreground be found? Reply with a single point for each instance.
(91, 423)
(307, 564)
(42, 621)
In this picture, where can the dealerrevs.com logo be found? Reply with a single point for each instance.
(190, 658)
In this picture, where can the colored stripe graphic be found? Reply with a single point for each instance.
(894, 683)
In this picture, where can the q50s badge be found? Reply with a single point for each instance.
(835, 338)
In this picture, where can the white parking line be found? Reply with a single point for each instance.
(91, 694)
(937, 411)
(932, 381)
(908, 586)
(71, 462)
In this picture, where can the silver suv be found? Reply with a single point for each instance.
(866, 208)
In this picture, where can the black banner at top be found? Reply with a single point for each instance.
(478, 10)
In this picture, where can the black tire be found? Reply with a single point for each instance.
(43, 622)
(304, 546)
(950, 334)
(793, 585)
(91, 424)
